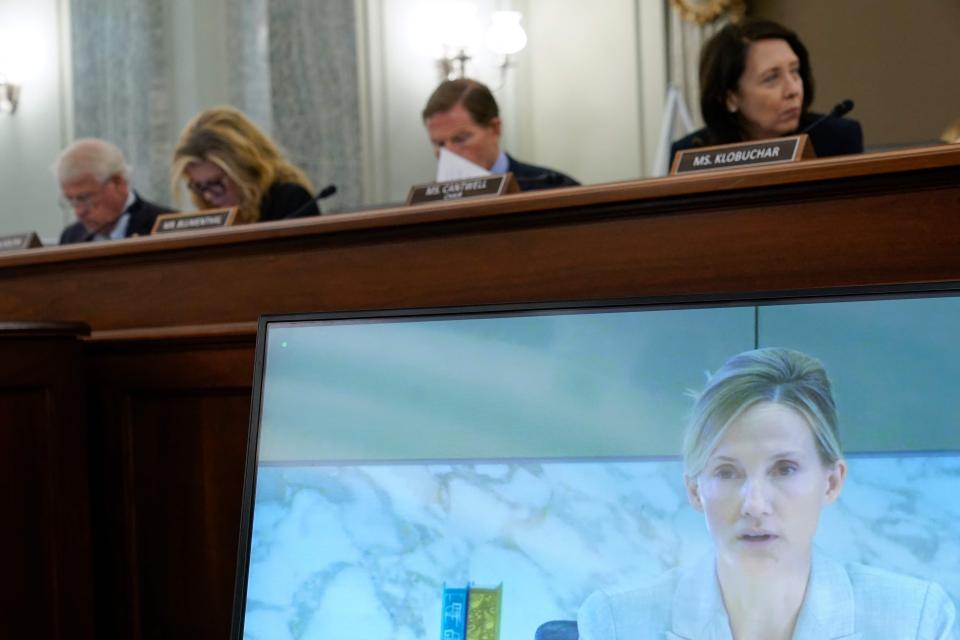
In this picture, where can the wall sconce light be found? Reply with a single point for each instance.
(9, 95)
(459, 37)
(504, 37)
(453, 66)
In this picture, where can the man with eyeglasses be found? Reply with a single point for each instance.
(93, 182)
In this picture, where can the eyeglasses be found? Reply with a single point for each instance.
(216, 187)
(82, 200)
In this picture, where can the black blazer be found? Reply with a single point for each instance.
(832, 137)
(531, 177)
(284, 200)
(142, 216)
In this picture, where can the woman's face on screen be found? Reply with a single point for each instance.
(769, 96)
(763, 488)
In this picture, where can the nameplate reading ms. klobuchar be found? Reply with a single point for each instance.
(193, 220)
(485, 186)
(743, 154)
(20, 241)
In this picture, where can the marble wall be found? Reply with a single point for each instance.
(363, 552)
(121, 88)
(249, 75)
(314, 96)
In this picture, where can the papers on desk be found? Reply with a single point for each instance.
(450, 166)
(460, 179)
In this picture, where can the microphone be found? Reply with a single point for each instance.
(326, 192)
(841, 109)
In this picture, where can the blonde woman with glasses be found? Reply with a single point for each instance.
(226, 161)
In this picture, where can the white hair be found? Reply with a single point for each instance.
(90, 157)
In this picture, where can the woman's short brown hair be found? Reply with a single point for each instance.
(475, 97)
(722, 63)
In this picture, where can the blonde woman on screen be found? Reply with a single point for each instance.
(762, 458)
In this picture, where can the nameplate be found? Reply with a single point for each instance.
(743, 154)
(193, 220)
(484, 187)
(20, 241)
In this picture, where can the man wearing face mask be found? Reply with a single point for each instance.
(462, 116)
(94, 185)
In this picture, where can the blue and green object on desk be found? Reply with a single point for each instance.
(470, 613)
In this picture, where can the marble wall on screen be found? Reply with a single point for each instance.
(121, 92)
(364, 552)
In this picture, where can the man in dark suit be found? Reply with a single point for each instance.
(463, 117)
(93, 183)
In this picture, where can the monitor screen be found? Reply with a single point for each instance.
(536, 452)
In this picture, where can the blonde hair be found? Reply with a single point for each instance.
(777, 375)
(952, 133)
(227, 138)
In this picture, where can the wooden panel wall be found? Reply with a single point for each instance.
(845, 222)
(170, 425)
(46, 588)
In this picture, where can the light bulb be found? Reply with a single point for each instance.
(505, 35)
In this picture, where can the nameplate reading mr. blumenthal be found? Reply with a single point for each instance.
(743, 154)
(193, 220)
(493, 185)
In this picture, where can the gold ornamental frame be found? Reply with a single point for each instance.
(703, 12)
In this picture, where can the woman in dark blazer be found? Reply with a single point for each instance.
(756, 83)
(226, 161)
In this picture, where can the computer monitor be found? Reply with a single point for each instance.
(535, 449)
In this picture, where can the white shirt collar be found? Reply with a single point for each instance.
(119, 230)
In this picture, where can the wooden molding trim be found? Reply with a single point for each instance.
(244, 331)
(734, 180)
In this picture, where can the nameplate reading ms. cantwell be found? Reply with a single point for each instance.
(493, 185)
(743, 154)
(193, 220)
(20, 241)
